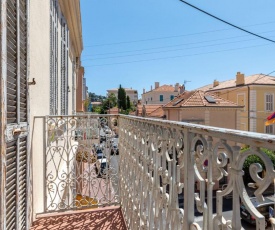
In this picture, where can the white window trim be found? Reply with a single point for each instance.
(273, 127)
(266, 102)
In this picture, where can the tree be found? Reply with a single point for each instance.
(108, 103)
(121, 97)
(252, 159)
(94, 97)
(128, 102)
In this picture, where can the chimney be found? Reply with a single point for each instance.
(151, 88)
(143, 90)
(216, 83)
(156, 85)
(182, 89)
(176, 87)
(239, 79)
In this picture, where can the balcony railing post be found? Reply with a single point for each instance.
(44, 163)
(189, 181)
(210, 184)
(236, 223)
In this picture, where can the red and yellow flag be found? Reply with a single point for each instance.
(270, 119)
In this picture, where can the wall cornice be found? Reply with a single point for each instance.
(72, 14)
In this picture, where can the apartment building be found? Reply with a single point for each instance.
(255, 93)
(203, 108)
(132, 93)
(41, 45)
(161, 95)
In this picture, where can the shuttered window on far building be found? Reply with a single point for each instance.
(14, 115)
(54, 57)
(269, 102)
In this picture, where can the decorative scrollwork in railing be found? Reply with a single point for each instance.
(168, 175)
(81, 161)
(160, 158)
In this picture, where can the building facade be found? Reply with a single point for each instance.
(255, 93)
(132, 93)
(203, 108)
(160, 95)
(41, 45)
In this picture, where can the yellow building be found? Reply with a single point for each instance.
(255, 93)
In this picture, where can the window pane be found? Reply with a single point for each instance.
(161, 97)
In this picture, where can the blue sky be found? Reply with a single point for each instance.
(135, 43)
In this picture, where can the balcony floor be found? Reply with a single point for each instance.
(110, 218)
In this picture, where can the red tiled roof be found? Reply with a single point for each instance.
(163, 88)
(157, 113)
(149, 109)
(198, 99)
(256, 79)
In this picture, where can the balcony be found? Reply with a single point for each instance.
(137, 173)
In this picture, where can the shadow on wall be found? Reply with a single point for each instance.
(110, 219)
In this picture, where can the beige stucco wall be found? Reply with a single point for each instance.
(39, 41)
(223, 118)
(132, 93)
(195, 114)
(256, 102)
(152, 97)
(39, 53)
(218, 117)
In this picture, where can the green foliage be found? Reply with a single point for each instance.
(108, 103)
(128, 102)
(97, 109)
(86, 104)
(121, 97)
(255, 159)
(94, 97)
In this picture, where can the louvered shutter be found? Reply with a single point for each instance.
(54, 58)
(64, 67)
(14, 115)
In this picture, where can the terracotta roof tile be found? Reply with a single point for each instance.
(198, 99)
(157, 113)
(256, 79)
(163, 88)
(149, 109)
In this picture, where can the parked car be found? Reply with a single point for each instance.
(262, 207)
(101, 170)
(114, 150)
(78, 135)
(102, 138)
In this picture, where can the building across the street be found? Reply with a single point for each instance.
(132, 93)
(203, 108)
(255, 93)
(160, 95)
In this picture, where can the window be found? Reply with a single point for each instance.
(64, 66)
(171, 97)
(54, 58)
(269, 129)
(160, 97)
(269, 102)
(151, 99)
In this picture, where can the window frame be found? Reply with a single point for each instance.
(269, 103)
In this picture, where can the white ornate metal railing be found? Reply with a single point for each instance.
(165, 176)
(160, 160)
(81, 162)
